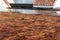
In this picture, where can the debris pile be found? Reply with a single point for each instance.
(16, 26)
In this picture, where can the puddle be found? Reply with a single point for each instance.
(30, 11)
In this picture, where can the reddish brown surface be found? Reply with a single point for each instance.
(29, 27)
(45, 2)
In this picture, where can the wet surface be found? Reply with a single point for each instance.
(31, 11)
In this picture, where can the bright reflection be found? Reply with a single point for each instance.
(57, 5)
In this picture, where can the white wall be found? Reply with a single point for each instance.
(25, 1)
(57, 5)
(3, 6)
(2, 3)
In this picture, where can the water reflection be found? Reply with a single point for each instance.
(26, 11)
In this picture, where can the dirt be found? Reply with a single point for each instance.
(16, 26)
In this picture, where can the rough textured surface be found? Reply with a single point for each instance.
(45, 2)
(15, 26)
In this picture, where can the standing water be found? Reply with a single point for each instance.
(3, 6)
(26, 10)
